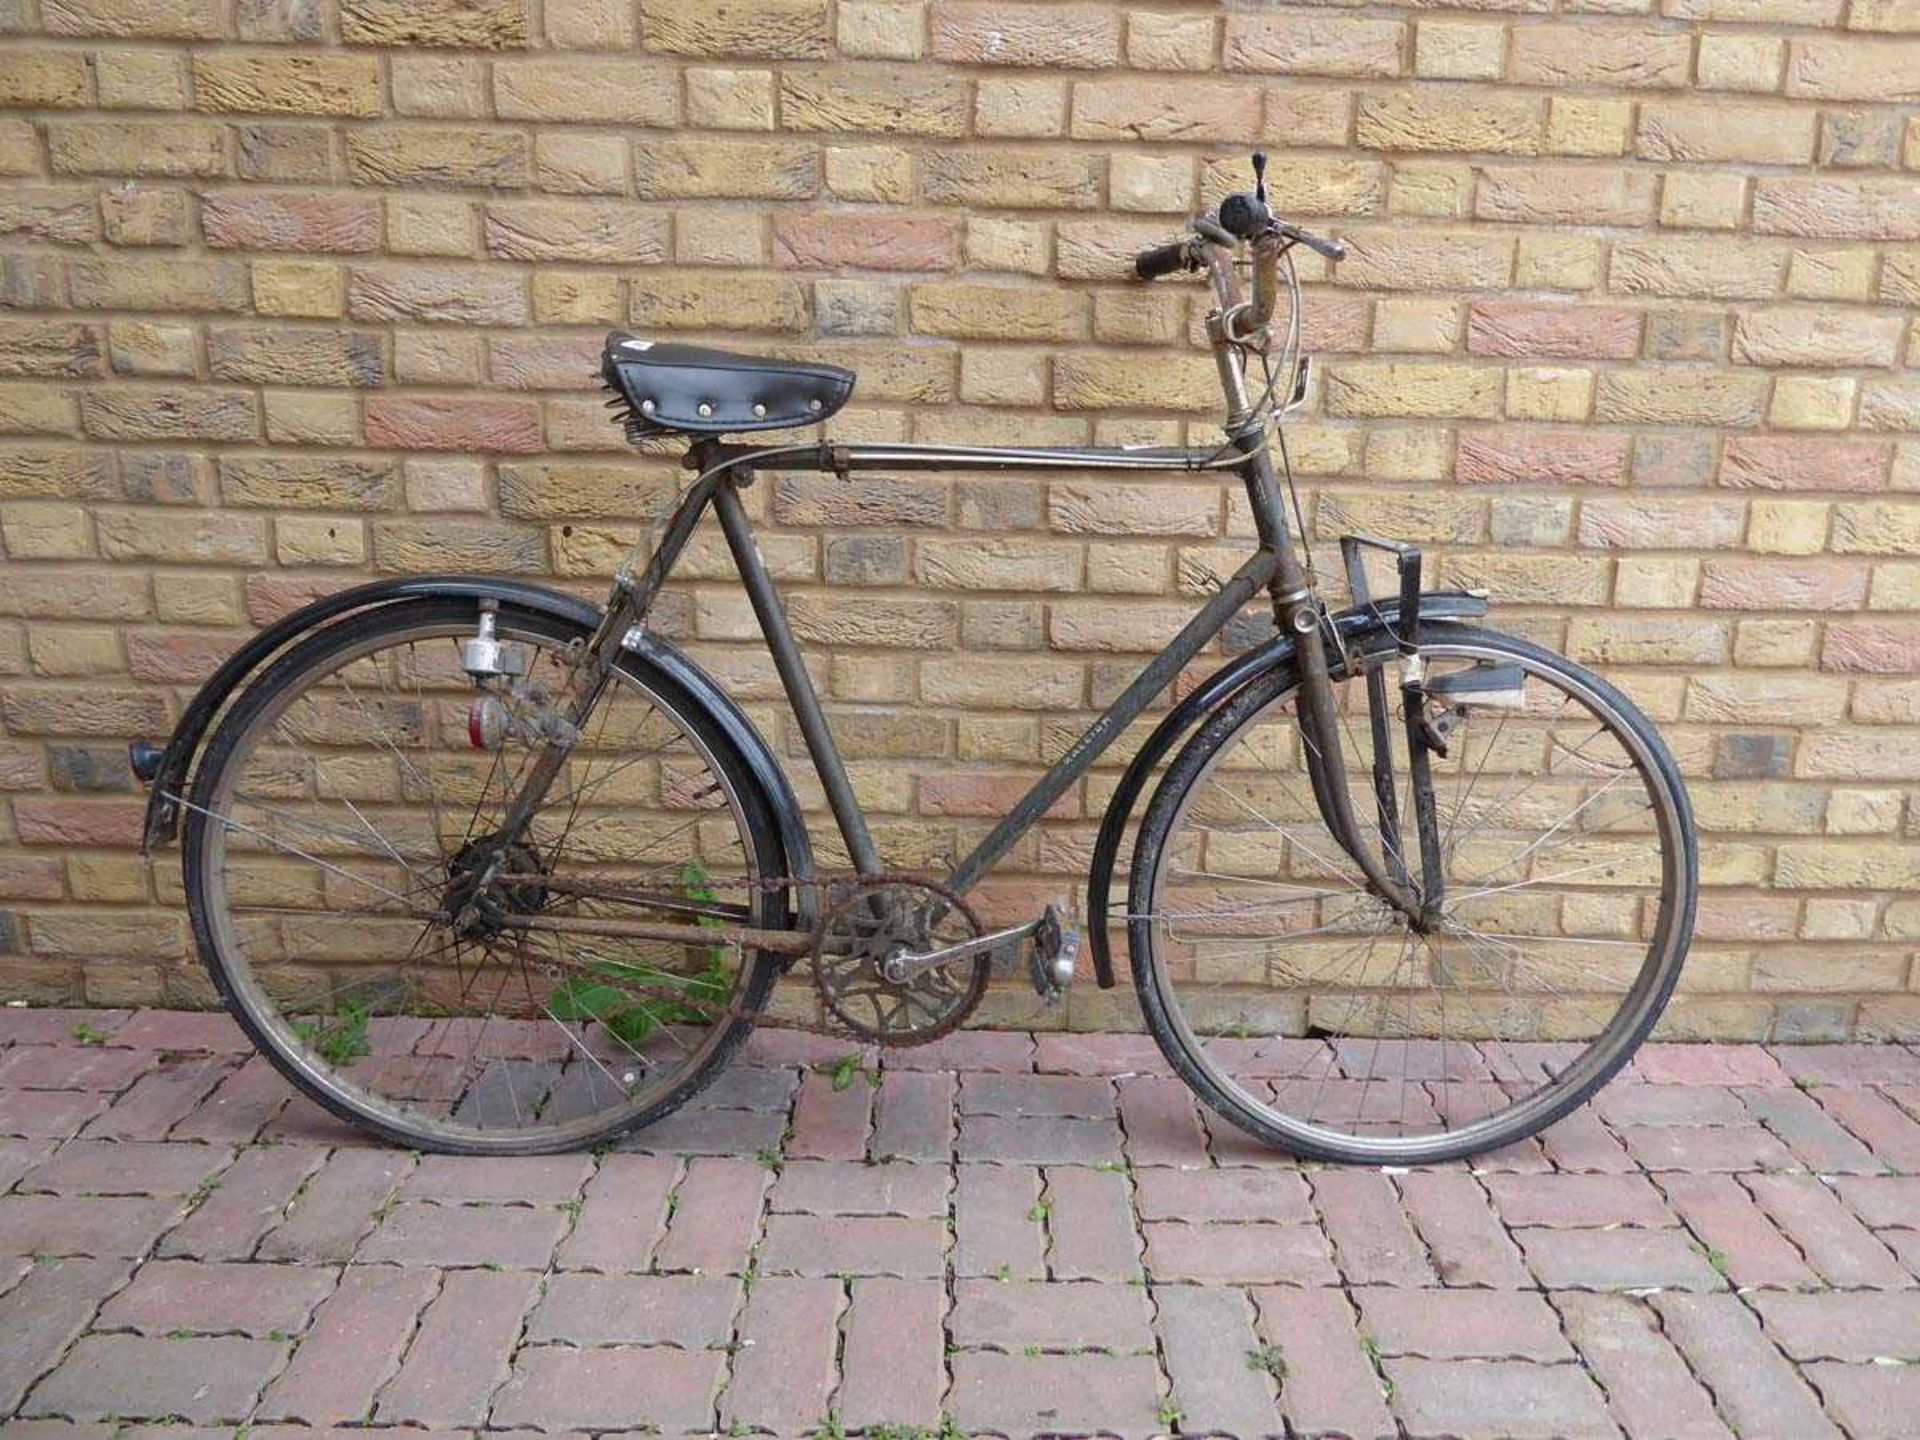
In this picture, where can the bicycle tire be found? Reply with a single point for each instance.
(271, 1031)
(1589, 1072)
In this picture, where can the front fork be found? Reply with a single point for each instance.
(1297, 610)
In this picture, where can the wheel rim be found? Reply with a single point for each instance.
(339, 818)
(1390, 1046)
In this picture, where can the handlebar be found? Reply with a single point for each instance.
(1160, 260)
(1241, 217)
(1163, 260)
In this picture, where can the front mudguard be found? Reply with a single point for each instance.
(696, 687)
(1213, 692)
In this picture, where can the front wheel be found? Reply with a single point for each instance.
(420, 972)
(1312, 1014)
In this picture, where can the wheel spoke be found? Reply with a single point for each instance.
(392, 979)
(1553, 826)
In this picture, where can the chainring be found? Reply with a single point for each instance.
(875, 917)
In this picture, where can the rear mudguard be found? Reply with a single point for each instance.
(1210, 695)
(696, 688)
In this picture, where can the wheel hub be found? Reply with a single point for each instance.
(478, 898)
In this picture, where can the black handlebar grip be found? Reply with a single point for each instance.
(1161, 260)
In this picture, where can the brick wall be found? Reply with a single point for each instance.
(296, 291)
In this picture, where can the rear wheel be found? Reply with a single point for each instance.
(341, 819)
(1312, 1014)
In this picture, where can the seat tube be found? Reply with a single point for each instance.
(792, 670)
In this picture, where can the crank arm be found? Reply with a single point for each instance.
(907, 967)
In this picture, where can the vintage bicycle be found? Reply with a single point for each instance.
(485, 868)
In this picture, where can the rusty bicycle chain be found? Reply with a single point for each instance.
(852, 881)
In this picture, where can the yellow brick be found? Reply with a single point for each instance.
(1019, 246)
(1363, 389)
(1731, 60)
(1709, 267)
(317, 540)
(1437, 120)
(688, 301)
(1582, 125)
(45, 530)
(1816, 335)
(1170, 41)
(1454, 50)
(443, 87)
(1151, 182)
(1093, 381)
(287, 84)
(1831, 67)
(881, 29)
(140, 79)
(1832, 274)
(575, 164)
(1690, 200)
(144, 348)
(1394, 453)
(1002, 377)
(429, 225)
(1895, 586)
(891, 101)
(718, 237)
(1656, 582)
(465, 24)
(1549, 393)
(1813, 402)
(577, 298)
(1000, 312)
(589, 24)
(1787, 527)
(1416, 325)
(1437, 191)
(68, 651)
(730, 99)
(1024, 107)
(1669, 396)
(1721, 130)
(1775, 642)
(1557, 262)
(43, 79)
(299, 417)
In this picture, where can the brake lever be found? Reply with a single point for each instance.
(1319, 244)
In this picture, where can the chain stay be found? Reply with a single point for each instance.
(851, 882)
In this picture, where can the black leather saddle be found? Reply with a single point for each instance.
(663, 387)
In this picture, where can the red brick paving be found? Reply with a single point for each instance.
(1024, 1234)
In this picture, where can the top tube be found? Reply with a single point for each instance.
(842, 458)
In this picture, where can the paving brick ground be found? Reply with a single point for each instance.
(999, 1235)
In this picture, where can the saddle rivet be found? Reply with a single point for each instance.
(760, 410)
(646, 407)
(813, 404)
(705, 408)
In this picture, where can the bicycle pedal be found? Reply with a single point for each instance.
(1054, 956)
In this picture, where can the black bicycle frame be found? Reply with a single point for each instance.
(725, 469)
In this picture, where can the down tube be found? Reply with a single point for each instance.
(1242, 586)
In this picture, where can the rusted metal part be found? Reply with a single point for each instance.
(949, 1017)
(780, 942)
(815, 942)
